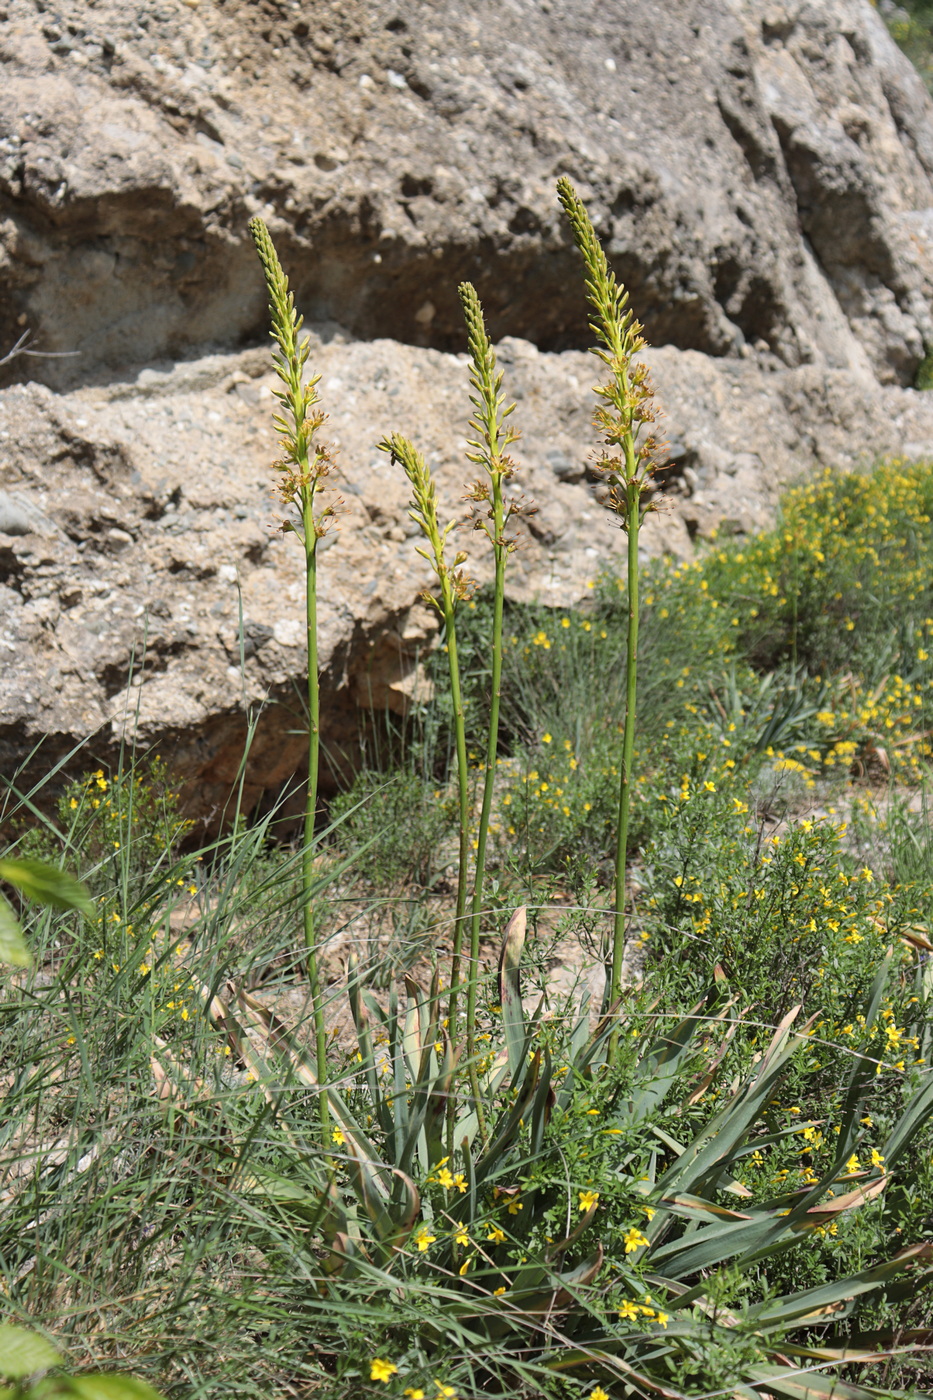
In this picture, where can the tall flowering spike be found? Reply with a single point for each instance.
(303, 464)
(304, 461)
(627, 398)
(628, 460)
(285, 323)
(454, 586)
(486, 381)
(614, 324)
(488, 451)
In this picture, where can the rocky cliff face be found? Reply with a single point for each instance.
(760, 172)
(762, 175)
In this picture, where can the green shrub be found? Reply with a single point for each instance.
(398, 826)
(117, 829)
(911, 26)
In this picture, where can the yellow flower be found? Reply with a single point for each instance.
(460, 1182)
(588, 1199)
(446, 1178)
(634, 1239)
(413, 1392)
(876, 1158)
(498, 1292)
(598, 1394)
(515, 1207)
(628, 1311)
(463, 1267)
(496, 1236)
(545, 738)
(461, 1236)
(447, 1391)
(662, 1318)
(380, 1370)
(338, 1137)
(424, 1238)
(853, 1163)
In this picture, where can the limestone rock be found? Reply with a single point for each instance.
(760, 172)
(141, 526)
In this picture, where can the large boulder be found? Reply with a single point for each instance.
(760, 172)
(147, 597)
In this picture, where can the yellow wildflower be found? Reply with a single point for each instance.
(380, 1370)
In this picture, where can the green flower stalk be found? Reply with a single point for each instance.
(305, 462)
(454, 586)
(489, 452)
(628, 461)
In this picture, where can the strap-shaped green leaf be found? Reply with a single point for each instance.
(13, 950)
(916, 1113)
(22, 1352)
(96, 1387)
(724, 1133)
(811, 1300)
(510, 990)
(793, 1384)
(46, 884)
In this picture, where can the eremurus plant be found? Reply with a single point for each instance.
(453, 585)
(489, 450)
(627, 460)
(304, 464)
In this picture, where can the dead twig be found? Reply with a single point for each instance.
(20, 349)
